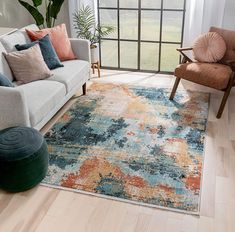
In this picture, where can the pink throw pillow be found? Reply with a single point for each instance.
(28, 65)
(209, 48)
(59, 38)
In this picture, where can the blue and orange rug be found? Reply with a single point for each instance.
(132, 144)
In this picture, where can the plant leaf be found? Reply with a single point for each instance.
(86, 28)
(48, 14)
(34, 12)
(37, 3)
(84, 22)
(55, 8)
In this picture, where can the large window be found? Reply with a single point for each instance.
(147, 33)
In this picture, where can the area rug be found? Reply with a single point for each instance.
(132, 144)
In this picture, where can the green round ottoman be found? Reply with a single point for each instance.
(23, 158)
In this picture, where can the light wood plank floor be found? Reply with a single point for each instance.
(45, 209)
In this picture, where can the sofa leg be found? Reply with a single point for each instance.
(84, 89)
(177, 81)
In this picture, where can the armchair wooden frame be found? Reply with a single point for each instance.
(226, 91)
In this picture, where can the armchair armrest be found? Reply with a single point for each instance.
(14, 110)
(185, 57)
(81, 48)
(184, 49)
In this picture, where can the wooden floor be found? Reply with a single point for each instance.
(45, 209)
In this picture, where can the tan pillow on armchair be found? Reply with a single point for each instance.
(209, 48)
(28, 65)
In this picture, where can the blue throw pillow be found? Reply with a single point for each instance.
(48, 52)
(4, 81)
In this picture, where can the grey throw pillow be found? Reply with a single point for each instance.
(4, 81)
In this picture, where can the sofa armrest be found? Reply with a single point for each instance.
(13, 108)
(81, 48)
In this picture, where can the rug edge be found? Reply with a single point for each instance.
(122, 200)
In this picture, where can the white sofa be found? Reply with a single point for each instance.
(35, 103)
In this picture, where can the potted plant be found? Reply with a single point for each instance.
(87, 28)
(51, 12)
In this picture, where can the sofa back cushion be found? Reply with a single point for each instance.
(18, 37)
(30, 27)
(229, 38)
(4, 68)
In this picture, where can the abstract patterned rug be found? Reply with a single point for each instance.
(133, 144)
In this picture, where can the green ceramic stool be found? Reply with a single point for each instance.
(23, 158)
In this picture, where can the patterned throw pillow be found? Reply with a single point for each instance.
(4, 81)
(48, 52)
(59, 38)
(28, 65)
(209, 48)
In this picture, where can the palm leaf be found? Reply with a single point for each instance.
(86, 28)
(37, 3)
(39, 19)
(48, 14)
(105, 30)
(84, 22)
(55, 8)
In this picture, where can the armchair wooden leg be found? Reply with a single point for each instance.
(84, 89)
(177, 81)
(223, 103)
(225, 97)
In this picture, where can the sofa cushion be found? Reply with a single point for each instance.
(48, 52)
(211, 75)
(30, 27)
(59, 38)
(28, 65)
(73, 73)
(4, 67)
(18, 37)
(42, 97)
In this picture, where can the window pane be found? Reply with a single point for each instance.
(151, 4)
(108, 3)
(109, 53)
(128, 52)
(128, 3)
(172, 26)
(129, 24)
(169, 57)
(175, 4)
(109, 18)
(150, 25)
(149, 56)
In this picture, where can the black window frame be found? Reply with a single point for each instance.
(139, 40)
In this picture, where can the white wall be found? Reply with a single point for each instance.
(12, 14)
(229, 15)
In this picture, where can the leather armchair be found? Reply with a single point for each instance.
(220, 76)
